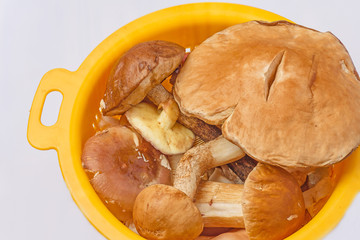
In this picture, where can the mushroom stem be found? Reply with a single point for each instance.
(220, 204)
(206, 132)
(169, 114)
(198, 159)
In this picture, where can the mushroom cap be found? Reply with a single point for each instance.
(164, 212)
(273, 204)
(287, 95)
(120, 164)
(138, 71)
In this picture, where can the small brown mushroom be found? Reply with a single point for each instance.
(273, 204)
(140, 69)
(162, 212)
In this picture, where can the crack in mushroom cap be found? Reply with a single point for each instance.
(286, 94)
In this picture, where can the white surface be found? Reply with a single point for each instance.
(36, 36)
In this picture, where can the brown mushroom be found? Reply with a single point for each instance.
(140, 69)
(163, 212)
(286, 94)
(273, 204)
(120, 163)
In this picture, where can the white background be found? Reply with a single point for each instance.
(39, 35)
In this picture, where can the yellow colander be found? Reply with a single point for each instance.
(187, 25)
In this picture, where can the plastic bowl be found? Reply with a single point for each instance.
(187, 25)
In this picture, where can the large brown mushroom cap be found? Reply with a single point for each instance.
(164, 212)
(286, 94)
(138, 71)
(273, 204)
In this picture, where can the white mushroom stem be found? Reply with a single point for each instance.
(198, 159)
(169, 114)
(220, 204)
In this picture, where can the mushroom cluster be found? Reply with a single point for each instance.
(242, 146)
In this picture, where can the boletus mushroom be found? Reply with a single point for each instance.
(120, 163)
(162, 212)
(273, 203)
(286, 94)
(129, 83)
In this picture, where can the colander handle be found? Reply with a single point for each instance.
(51, 137)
